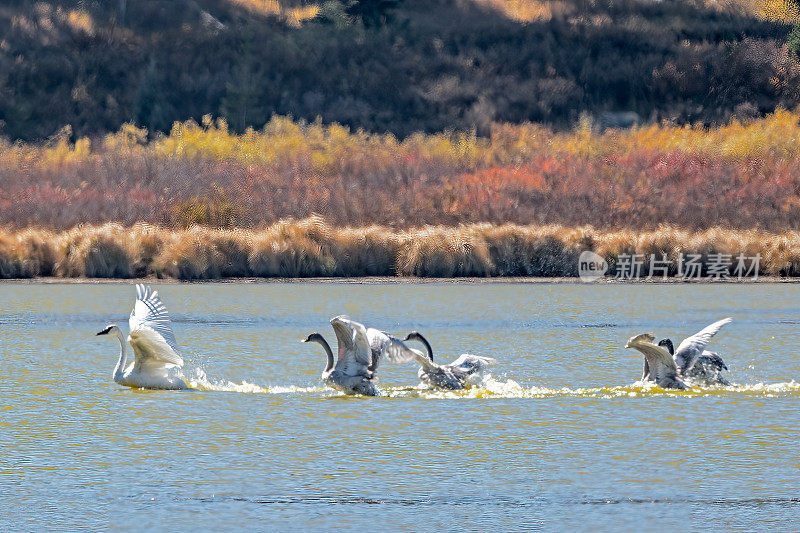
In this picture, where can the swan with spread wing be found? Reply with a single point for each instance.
(360, 350)
(467, 369)
(669, 368)
(156, 364)
(659, 366)
(692, 358)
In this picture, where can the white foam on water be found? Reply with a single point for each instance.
(491, 387)
(198, 379)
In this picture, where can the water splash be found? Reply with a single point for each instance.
(491, 387)
(197, 379)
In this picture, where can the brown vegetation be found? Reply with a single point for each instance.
(743, 176)
(310, 247)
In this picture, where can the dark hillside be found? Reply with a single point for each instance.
(435, 65)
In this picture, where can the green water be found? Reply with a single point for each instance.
(559, 438)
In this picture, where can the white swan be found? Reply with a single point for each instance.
(467, 369)
(360, 350)
(354, 371)
(692, 358)
(156, 361)
(659, 365)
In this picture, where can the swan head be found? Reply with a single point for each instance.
(413, 336)
(666, 343)
(314, 337)
(111, 328)
(417, 336)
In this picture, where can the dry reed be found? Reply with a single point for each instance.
(312, 248)
(93, 252)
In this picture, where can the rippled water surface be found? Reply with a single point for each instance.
(560, 437)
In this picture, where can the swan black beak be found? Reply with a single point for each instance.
(104, 332)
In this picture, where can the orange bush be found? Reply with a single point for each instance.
(742, 175)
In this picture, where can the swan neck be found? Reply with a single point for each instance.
(321, 340)
(123, 354)
(424, 341)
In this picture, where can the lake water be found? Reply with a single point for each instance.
(559, 438)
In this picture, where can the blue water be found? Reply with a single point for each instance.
(560, 438)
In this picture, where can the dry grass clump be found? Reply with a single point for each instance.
(271, 257)
(370, 251)
(93, 252)
(233, 249)
(27, 254)
(782, 256)
(292, 249)
(545, 251)
(145, 243)
(780, 253)
(37, 253)
(441, 252)
(8, 263)
(311, 248)
(612, 245)
(665, 244)
(202, 253)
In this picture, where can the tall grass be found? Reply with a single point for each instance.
(312, 248)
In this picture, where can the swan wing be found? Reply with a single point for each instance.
(712, 360)
(399, 352)
(468, 362)
(692, 347)
(151, 331)
(389, 347)
(150, 351)
(659, 362)
(355, 354)
(377, 344)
